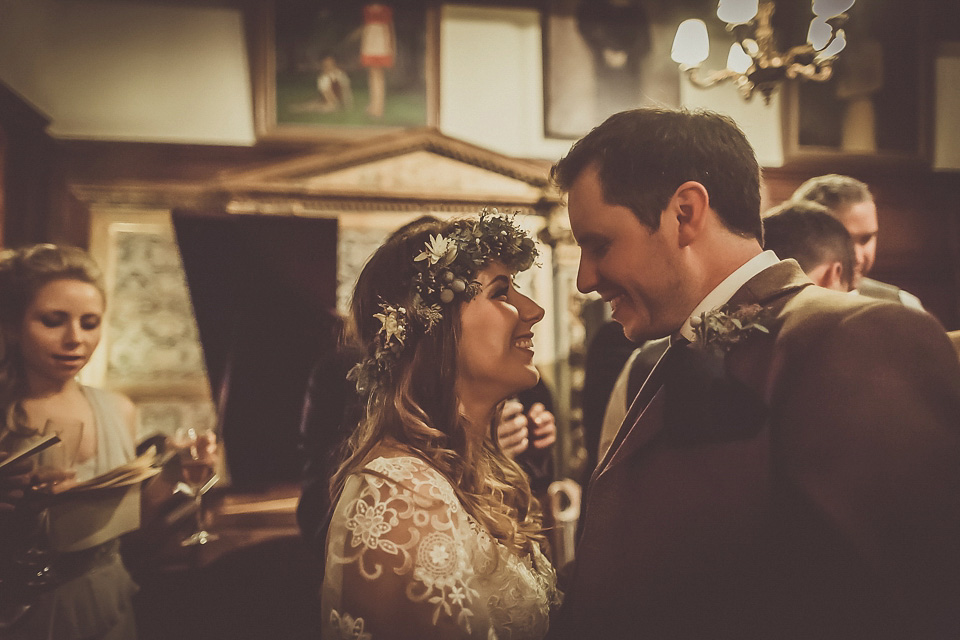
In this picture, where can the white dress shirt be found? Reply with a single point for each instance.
(725, 290)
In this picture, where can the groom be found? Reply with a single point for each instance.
(791, 467)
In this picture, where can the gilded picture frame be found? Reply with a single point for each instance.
(875, 107)
(328, 68)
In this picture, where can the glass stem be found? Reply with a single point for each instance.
(199, 515)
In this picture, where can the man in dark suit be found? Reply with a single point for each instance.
(791, 467)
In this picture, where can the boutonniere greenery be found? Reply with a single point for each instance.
(722, 328)
(705, 402)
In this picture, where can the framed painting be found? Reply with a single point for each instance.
(605, 56)
(875, 105)
(335, 68)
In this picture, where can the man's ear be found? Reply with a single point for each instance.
(844, 280)
(829, 275)
(691, 203)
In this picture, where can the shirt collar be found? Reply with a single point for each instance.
(729, 286)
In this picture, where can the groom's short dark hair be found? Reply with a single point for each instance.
(643, 155)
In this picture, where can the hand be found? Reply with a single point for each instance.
(13, 481)
(544, 426)
(208, 449)
(25, 475)
(512, 431)
(197, 444)
(44, 478)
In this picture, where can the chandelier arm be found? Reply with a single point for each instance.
(712, 78)
(745, 87)
(763, 34)
(816, 73)
(801, 50)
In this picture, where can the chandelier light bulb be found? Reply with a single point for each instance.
(691, 46)
(755, 64)
(830, 8)
(737, 60)
(835, 47)
(737, 11)
(819, 34)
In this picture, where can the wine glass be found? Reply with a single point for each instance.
(197, 449)
(55, 464)
(52, 467)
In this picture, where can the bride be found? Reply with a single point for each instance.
(435, 533)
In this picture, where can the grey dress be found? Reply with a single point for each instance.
(96, 600)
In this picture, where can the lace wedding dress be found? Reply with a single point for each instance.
(405, 560)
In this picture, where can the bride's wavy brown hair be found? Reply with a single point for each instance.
(417, 405)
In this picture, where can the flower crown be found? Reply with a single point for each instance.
(445, 272)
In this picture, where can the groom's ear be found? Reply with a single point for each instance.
(691, 203)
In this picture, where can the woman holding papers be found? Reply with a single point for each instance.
(51, 312)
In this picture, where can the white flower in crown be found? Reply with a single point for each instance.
(439, 250)
(392, 322)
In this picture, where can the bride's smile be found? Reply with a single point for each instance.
(496, 345)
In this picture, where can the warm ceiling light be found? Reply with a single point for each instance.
(755, 63)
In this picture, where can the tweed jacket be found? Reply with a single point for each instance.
(811, 490)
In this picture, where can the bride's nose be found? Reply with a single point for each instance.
(530, 311)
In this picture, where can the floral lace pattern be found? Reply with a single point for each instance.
(405, 560)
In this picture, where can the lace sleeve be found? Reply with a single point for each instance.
(398, 564)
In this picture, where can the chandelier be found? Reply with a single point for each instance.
(754, 62)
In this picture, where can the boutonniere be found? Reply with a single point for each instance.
(704, 402)
(722, 328)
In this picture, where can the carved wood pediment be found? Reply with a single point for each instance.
(422, 164)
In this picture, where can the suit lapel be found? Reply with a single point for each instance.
(773, 282)
(648, 424)
(652, 387)
(645, 415)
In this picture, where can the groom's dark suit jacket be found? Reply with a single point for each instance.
(824, 503)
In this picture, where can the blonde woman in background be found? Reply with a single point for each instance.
(51, 315)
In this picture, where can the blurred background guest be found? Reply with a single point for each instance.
(850, 201)
(527, 432)
(51, 313)
(806, 232)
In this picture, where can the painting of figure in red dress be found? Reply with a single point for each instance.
(351, 63)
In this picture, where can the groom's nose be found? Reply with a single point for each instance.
(586, 275)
